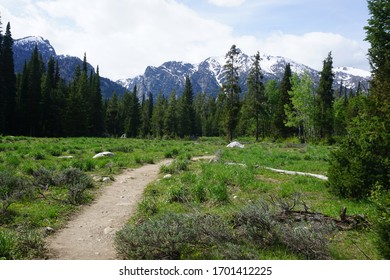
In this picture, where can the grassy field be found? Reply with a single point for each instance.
(206, 210)
(234, 209)
(40, 189)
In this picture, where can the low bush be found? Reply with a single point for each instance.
(76, 182)
(12, 188)
(244, 235)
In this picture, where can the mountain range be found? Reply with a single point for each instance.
(23, 48)
(206, 76)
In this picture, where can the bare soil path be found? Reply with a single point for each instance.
(90, 234)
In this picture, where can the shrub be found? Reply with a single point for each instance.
(163, 238)
(12, 188)
(363, 159)
(381, 198)
(43, 177)
(76, 182)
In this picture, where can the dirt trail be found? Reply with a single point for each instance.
(90, 235)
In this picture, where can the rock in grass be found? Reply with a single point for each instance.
(235, 145)
(103, 154)
(168, 176)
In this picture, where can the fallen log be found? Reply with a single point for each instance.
(321, 177)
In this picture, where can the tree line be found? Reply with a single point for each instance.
(38, 102)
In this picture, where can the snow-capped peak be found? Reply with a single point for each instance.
(353, 71)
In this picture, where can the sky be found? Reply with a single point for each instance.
(123, 37)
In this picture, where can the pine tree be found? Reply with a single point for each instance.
(96, 124)
(231, 92)
(33, 101)
(272, 94)
(157, 121)
(363, 160)
(146, 115)
(7, 83)
(325, 99)
(280, 115)
(171, 116)
(112, 116)
(131, 113)
(186, 111)
(49, 111)
(257, 99)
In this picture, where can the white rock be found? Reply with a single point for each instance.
(235, 144)
(106, 179)
(66, 157)
(167, 176)
(103, 154)
(108, 230)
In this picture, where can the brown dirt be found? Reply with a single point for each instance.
(90, 234)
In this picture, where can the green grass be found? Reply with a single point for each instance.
(24, 156)
(220, 189)
(196, 189)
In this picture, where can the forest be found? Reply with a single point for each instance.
(39, 103)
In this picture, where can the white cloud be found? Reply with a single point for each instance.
(227, 3)
(125, 36)
(312, 48)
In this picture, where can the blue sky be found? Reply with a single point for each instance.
(123, 37)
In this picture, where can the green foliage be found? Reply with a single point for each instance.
(179, 164)
(281, 130)
(381, 198)
(362, 159)
(230, 92)
(26, 244)
(325, 99)
(301, 114)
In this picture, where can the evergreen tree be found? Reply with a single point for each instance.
(157, 121)
(76, 117)
(363, 161)
(33, 97)
(280, 115)
(7, 83)
(231, 92)
(256, 96)
(131, 113)
(171, 116)
(112, 116)
(49, 109)
(146, 115)
(186, 111)
(325, 99)
(272, 94)
(96, 118)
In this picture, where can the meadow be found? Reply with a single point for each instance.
(227, 208)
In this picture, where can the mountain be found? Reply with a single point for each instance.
(24, 47)
(207, 76)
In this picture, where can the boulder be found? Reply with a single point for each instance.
(103, 154)
(235, 145)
